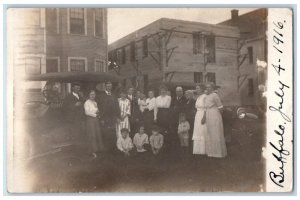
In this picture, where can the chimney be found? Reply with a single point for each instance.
(234, 14)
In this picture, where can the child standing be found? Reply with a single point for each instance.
(141, 141)
(183, 131)
(156, 140)
(143, 104)
(124, 143)
(125, 108)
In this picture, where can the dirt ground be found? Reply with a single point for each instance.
(176, 174)
(72, 170)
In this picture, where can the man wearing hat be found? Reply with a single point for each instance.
(109, 113)
(74, 113)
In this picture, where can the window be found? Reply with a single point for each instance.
(133, 81)
(77, 64)
(52, 65)
(110, 56)
(197, 43)
(211, 48)
(211, 77)
(250, 55)
(33, 65)
(114, 55)
(132, 51)
(145, 46)
(119, 55)
(99, 22)
(99, 66)
(123, 55)
(52, 23)
(250, 87)
(77, 21)
(198, 77)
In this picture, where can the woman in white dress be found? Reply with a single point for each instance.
(124, 105)
(200, 129)
(215, 141)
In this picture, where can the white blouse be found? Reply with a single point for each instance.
(151, 103)
(142, 104)
(124, 144)
(90, 108)
(163, 101)
(140, 140)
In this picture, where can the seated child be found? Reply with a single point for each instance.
(140, 140)
(124, 143)
(156, 140)
(183, 130)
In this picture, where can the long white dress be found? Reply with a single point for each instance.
(124, 105)
(200, 130)
(215, 141)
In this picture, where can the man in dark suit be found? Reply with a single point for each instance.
(135, 116)
(74, 113)
(109, 113)
(177, 107)
(190, 112)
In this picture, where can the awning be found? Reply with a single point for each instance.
(69, 77)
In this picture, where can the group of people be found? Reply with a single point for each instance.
(136, 123)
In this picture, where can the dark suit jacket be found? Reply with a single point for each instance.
(135, 110)
(73, 113)
(190, 110)
(178, 105)
(108, 107)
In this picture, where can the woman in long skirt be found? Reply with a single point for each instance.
(200, 129)
(162, 114)
(149, 116)
(124, 105)
(95, 141)
(215, 141)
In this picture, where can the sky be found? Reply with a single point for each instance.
(122, 21)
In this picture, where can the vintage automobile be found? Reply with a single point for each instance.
(45, 130)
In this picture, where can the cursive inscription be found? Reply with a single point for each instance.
(280, 153)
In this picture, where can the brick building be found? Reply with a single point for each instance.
(182, 53)
(45, 40)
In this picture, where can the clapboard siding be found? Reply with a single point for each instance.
(183, 63)
(31, 40)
